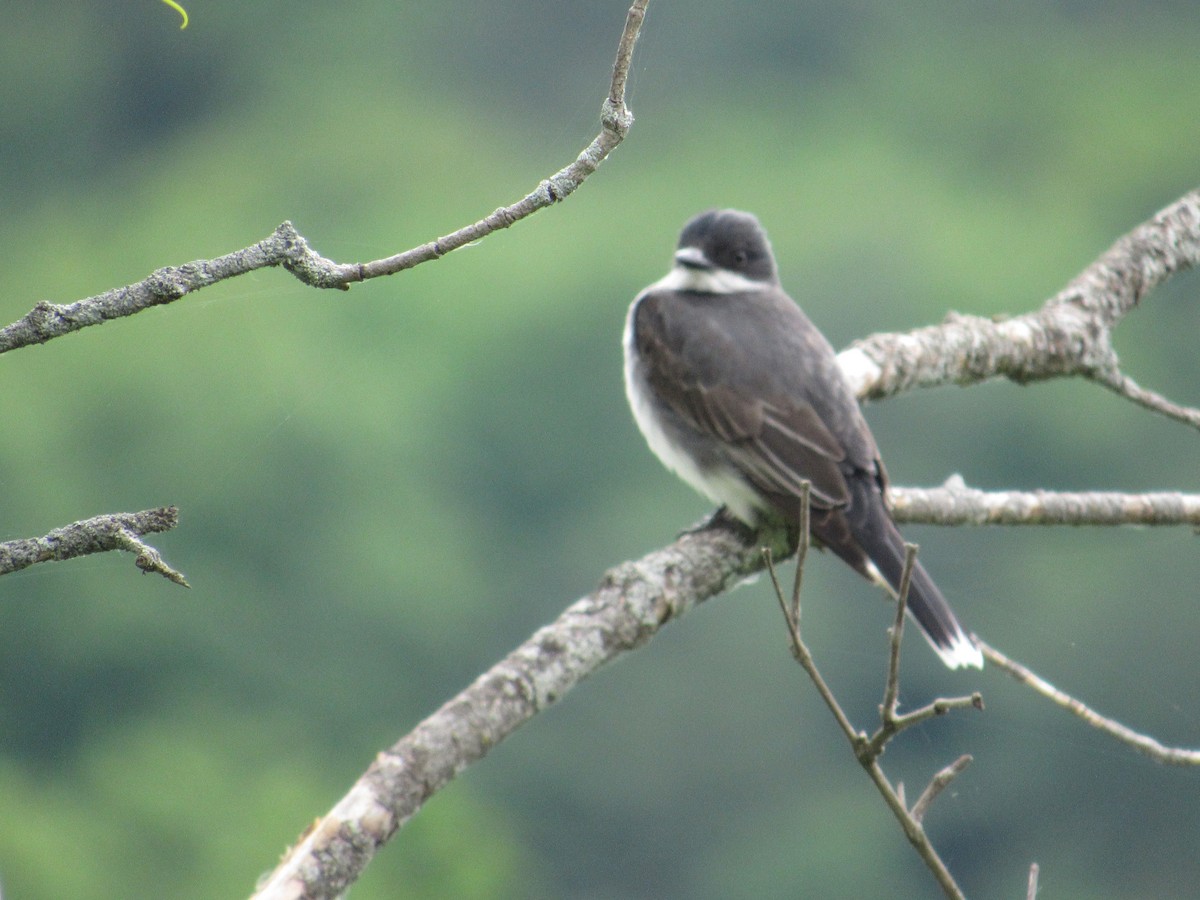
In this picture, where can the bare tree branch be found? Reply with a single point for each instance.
(868, 750)
(1070, 335)
(633, 602)
(956, 504)
(636, 599)
(1172, 756)
(937, 784)
(286, 247)
(1122, 384)
(114, 531)
(891, 690)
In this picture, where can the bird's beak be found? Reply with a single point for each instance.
(692, 258)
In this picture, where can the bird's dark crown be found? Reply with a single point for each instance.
(731, 240)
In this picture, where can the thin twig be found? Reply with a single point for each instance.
(100, 534)
(1121, 384)
(148, 559)
(935, 708)
(803, 541)
(954, 503)
(1173, 756)
(891, 690)
(915, 833)
(938, 784)
(803, 656)
(333, 853)
(1032, 888)
(624, 58)
(865, 750)
(892, 722)
(288, 248)
(769, 562)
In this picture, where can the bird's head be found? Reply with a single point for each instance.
(723, 251)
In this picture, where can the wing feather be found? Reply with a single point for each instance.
(774, 443)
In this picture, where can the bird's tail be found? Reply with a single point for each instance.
(875, 532)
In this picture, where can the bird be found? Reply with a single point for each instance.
(740, 395)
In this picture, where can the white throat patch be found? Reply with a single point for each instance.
(706, 281)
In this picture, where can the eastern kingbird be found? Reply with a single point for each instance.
(739, 394)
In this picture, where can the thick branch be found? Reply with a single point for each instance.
(115, 531)
(286, 247)
(956, 504)
(1069, 335)
(633, 602)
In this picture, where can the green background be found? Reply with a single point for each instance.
(382, 492)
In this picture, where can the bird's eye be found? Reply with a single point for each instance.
(741, 257)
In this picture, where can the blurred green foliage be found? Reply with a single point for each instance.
(383, 491)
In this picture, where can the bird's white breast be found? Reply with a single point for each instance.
(720, 485)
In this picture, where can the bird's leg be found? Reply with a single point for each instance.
(721, 517)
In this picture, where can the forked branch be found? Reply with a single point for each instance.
(1070, 335)
(100, 534)
(868, 749)
(286, 247)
